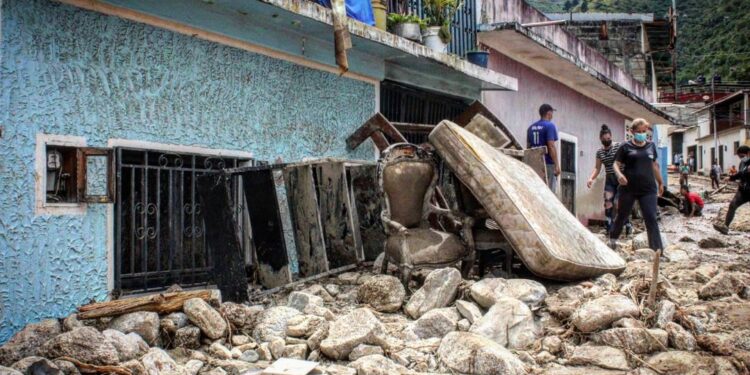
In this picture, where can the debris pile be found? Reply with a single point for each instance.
(365, 323)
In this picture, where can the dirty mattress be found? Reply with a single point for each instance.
(549, 240)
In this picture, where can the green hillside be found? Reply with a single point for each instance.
(712, 34)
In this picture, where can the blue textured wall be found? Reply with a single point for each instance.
(69, 71)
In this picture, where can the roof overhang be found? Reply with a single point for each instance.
(302, 30)
(530, 49)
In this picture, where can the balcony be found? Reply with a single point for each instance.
(301, 31)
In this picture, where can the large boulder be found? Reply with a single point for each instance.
(383, 293)
(157, 361)
(172, 322)
(469, 353)
(601, 312)
(9, 371)
(188, 337)
(637, 340)
(27, 341)
(144, 323)
(680, 338)
(722, 285)
(376, 364)
(35, 365)
(601, 356)
(300, 300)
(683, 363)
(439, 290)
(272, 322)
(436, 323)
(239, 315)
(469, 310)
(85, 344)
(128, 346)
(509, 322)
(358, 327)
(640, 241)
(303, 325)
(487, 291)
(205, 317)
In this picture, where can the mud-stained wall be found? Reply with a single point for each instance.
(576, 115)
(72, 72)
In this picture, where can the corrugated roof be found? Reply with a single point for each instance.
(582, 17)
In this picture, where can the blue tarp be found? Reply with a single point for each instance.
(360, 10)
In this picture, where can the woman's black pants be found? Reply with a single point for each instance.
(648, 206)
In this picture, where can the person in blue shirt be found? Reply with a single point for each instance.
(544, 133)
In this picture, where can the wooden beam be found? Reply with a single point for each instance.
(377, 122)
(163, 303)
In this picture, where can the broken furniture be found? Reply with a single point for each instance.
(303, 220)
(550, 241)
(407, 176)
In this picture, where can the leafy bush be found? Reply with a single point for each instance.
(440, 13)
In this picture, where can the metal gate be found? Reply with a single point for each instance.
(159, 229)
(401, 103)
(568, 175)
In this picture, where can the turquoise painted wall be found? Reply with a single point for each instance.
(73, 72)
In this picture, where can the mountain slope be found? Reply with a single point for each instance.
(712, 35)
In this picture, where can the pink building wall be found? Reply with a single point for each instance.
(576, 115)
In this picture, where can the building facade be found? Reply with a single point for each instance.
(146, 97)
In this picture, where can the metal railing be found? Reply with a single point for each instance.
(463, 27)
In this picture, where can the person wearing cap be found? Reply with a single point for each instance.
(742, 195)
(544, 133)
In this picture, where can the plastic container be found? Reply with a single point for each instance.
(478, 58)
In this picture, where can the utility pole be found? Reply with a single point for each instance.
(713, 111)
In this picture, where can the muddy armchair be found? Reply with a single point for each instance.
(407, 175)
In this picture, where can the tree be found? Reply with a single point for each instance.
(585, 6)
(568, 5)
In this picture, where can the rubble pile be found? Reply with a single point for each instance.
(363, 323)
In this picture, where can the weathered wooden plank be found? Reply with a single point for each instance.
(334, 213)
(162, 303)
(377, 122)
(222, 236)
(367, 204)
(268, 235)
(308, 231)
(534, 158)
(478, 108)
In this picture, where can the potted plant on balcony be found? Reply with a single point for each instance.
(438, 16)
(477, 56)
(407, 26)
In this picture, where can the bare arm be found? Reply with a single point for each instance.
(620, 177)
(552, 150)
(594, 173)
(657, 172)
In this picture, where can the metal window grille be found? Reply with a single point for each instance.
(159, 225)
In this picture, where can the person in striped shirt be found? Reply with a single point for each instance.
(605, 156)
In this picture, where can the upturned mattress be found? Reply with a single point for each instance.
(549, 240)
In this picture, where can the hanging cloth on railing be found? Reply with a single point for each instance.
(360, 10)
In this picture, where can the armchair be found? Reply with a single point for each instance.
(407, 176)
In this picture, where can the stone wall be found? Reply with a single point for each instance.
(67, 71)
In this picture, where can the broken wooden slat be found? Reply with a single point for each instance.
(534, 158)
(334, 207)
(87, 368)
(377, 122)
(308, 231)
(222, 236)
(162, 303)
(367, 204)
(267, 232)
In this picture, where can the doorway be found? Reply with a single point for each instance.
(568, 174)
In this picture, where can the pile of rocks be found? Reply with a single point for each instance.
(366, 324)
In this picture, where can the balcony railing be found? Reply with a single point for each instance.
(463, 27)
